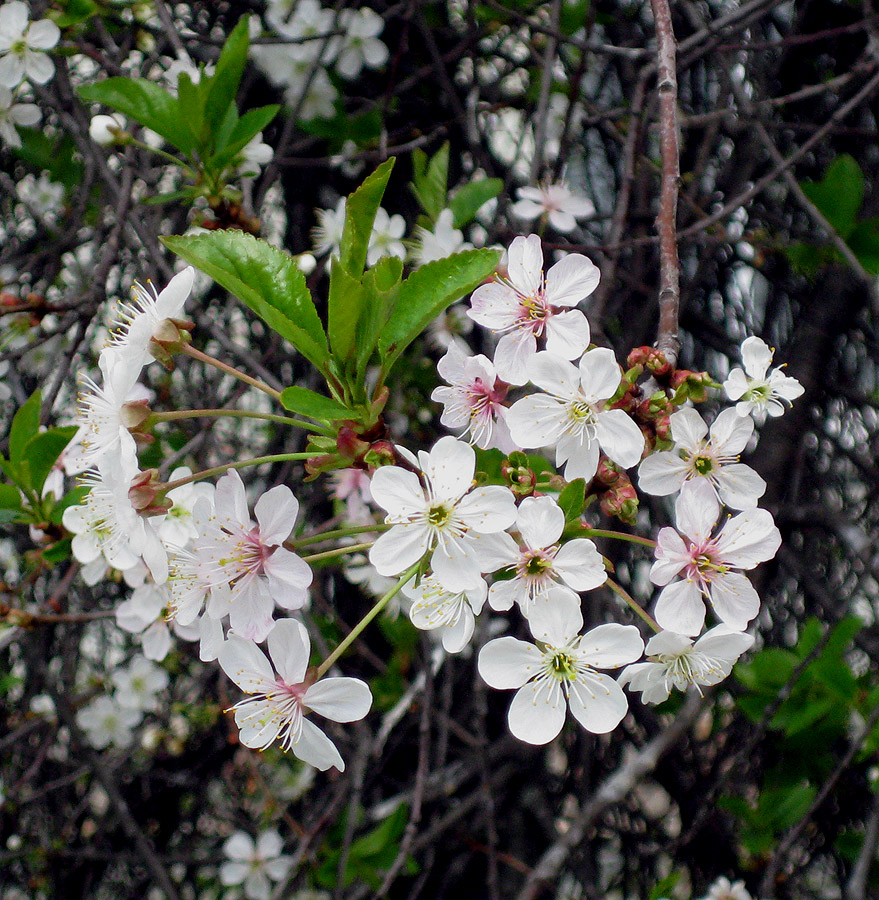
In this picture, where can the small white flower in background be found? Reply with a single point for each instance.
(255, 155)
(327, 234)
(674, 661)
(385, 238)
(183, 63)
(706, 562)
(106, 722)
(443, 241)
(455, 613)
(450, 327)
(474, 401)
(105, 130)
(572, 414)
(143, 614)
(450, 517)
(543, 569)
(698, 454)
(23, 46)
(526, 305)
(138, 322)
(277, 709)
(253, 864)
(360, 44)
(177, 527)
(561, 671)
(352, 487)
(760, 394)
(12, 114)
(138, 684)
(722, 889)
(556, 202)
(42, 196)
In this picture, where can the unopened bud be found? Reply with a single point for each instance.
(608, 472)
(146, 494)
(651, 359)
(380, 453)
(519, 478)
(621, 501)
(107, 130)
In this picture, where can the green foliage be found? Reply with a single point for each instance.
(315, 406)
(52, 154)
(775, 810)
(360, 213)
(430, 177)
(469, 199)
(264, 278)
(572, 499)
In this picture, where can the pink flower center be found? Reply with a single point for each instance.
(254, 552)
(705, 563)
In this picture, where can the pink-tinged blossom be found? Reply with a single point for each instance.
(352, 487)
(23, 46)
(555, 201)
(543, 569)
(475, 399)
(674, 661)
(276, 710)
(561, 671)
(240, 566)
(527, 305)
(448, 517)
(572, 414)
(453, 613)
(760, 394)
(705, 563)
(700, 455)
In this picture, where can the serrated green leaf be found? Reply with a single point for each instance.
(308, 403)
(572, 499)
(25, 425)
(426, 293)
(223, 84)
(381, 284)
(360, 210)
(10, 497)
(469, 199)
(264, 278)
(246, 128)
(344, 307)
(430, 182)
(840, 194)
(145, 102)
(43, 450)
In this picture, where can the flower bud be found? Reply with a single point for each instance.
(146, 494)
(519, 478)
(107, 130)
(651, 359)
(621, 501)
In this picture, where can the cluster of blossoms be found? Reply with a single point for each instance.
(197, 557)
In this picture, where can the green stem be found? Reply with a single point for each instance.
(621, 536)
(333, 535)
(633, 604)
(407, 576)
(339, 551)
(169, 156)
(242, 464)
(231, 370)
(174, 415)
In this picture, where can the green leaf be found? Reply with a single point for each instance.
(223, 85)
(469, 199)
(74, 497)
(76, 11)
(426, 293)
(308, 403)
(381, 284)
(264, 278)
(43, 451)
(360, 210)
(344, 308)
(55, 155)
(430, 181)
(10, 497)
(25, 425)
(572, 499)
(864, 241)
(58, 552)
(839, 194)
(190, 103)
(246, 128)
(145, 102)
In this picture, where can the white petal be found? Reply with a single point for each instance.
(581, 456)
(567, 334)
(611, 646)
(662, 473)
(230, 500)
(457, 635)
(339, 699)
(580, 565)
(289, 647)
(756, 357)
(734, 600)
(397, 491)
(680, 608)
(250, 614)
(488, 509)
(316, 749)
(269, 844)
(688, 428)
(238, 846)
(597, 702)
(537, 420)
(730, 433)
(600, 374)
(739, 485)
(540, 521)
(507, 662)
(450, 468)
(696, 510)
(620, 438)
(276, 511)
(749, 539)
(537, 712)
(556, 624)
(513, 355)
(246, 665)
(525, 263)
(555, 375)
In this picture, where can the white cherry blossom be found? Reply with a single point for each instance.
(526, 305)
(543, 568)
(177, 527)
(107, 722)
(555, 201)
(723, 889)
(360, 44)
(759, 391)
(474, 401)
(713, 456)
(254, 865)
(572, 414)
(454, 612)
(12, 114)
(448, 516)
(138, 684)
(706, 562)
(143, 614)
(560, 671)
(385, 240)
(443, 241)
(276, 710)
(674, 661)
(23, 46)
(327, 234)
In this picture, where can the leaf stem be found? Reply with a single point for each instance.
(407, 576)
(339, 551)
(231, 370)
(620, 536)
(175, 414)
(633, 604)
(241, 464)
(333, 535)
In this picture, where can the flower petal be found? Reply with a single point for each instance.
(246, 665)
(597, 702)
(507, 662)
(289, 647)
(339, 699)
(537, 712)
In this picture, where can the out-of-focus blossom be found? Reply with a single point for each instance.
(555, 201)
(23, 46)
